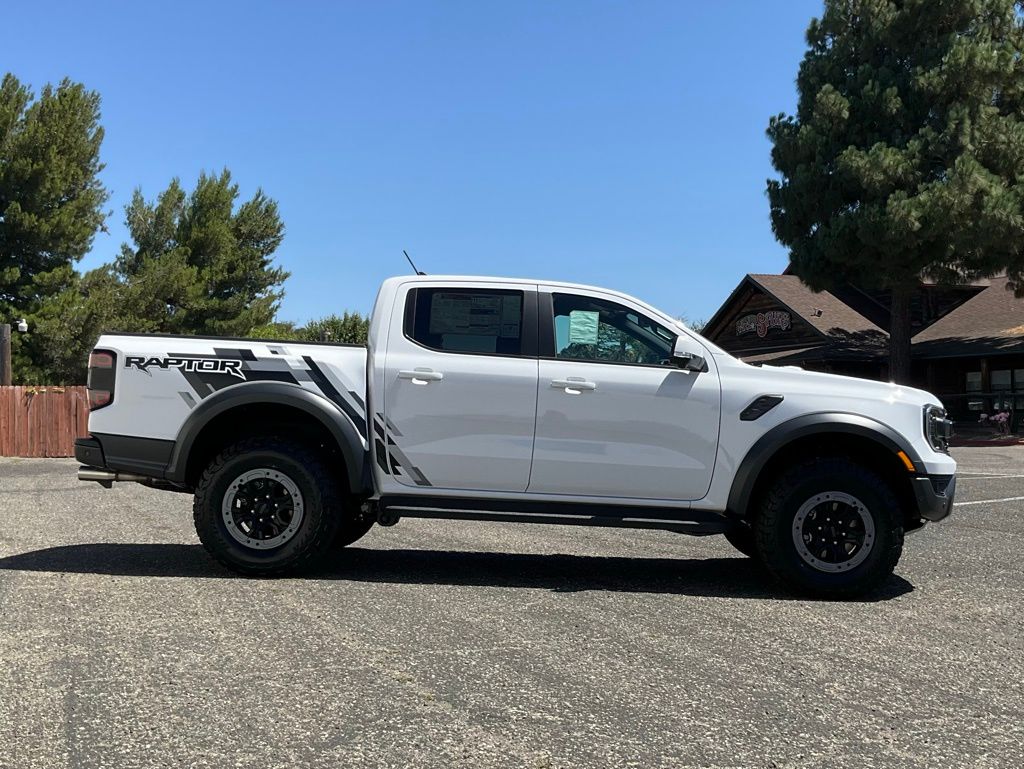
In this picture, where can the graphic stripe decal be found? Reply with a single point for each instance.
(239, 353)
(399, 464)
(294, 370)
(327, 387)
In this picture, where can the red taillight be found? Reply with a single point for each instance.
(101, 359)
(98, 398)
(100, 384)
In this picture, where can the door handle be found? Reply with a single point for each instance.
(574, 385)
(421, 376)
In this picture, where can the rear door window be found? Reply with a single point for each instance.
(466, 320)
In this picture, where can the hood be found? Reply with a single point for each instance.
(790, 380)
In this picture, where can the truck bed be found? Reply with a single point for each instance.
(166, 377)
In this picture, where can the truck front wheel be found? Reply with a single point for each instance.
(741, 536)
(352, 530)
(830, 528)
(265, 506)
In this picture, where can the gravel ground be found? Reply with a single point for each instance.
(453, 644)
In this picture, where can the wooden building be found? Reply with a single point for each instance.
(967, 345)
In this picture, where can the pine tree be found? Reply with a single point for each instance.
(198, 264)
(51, 202)
(905, 158)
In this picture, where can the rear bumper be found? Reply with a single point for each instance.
(934, 495)
(125, 453)
(88, 451)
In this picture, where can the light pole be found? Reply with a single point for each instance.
(5, 354)
(5, 349)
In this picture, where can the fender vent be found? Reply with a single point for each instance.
(760, 407)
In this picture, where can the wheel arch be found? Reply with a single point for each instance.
(826, 434)
(238, 410)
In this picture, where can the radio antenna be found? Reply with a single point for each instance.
(411, 264)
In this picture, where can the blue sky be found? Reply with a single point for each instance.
(616, 143)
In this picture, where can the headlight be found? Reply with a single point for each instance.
(937, 429)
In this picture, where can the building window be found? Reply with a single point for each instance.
(1001, 381)
(973, 382)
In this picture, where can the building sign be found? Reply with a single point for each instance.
(761, 322)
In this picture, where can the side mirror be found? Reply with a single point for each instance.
(686, 360)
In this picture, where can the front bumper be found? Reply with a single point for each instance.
(934, 495)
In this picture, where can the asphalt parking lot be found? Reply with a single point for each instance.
(453, 644)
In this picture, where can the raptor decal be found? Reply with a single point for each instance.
(187, 364)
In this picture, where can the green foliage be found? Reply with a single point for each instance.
(198, 265)
(51, 202)
(66, 328)
(349, 328)
(905, 158)
(697, 325)
(199, 262)
(284, 330)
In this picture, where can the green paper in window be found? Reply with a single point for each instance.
(583, 327)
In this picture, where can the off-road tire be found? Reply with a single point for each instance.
(323, 505)
(741, 536)
(774, 526)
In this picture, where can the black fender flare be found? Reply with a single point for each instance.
(785, 433)
(339, 424)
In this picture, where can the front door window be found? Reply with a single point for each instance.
(589, 329)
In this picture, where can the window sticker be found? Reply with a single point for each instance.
(511, 312)
(475, 314)
(583, 326)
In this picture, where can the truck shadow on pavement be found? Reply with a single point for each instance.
(715, 577)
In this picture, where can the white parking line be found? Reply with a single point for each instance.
(988, 501)
(986, 477)
(963, 471)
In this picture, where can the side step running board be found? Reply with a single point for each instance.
(391, 510)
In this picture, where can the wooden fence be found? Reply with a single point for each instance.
(42, 421)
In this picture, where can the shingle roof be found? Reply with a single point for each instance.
(834, 314)
(989, 323)
(992, 322)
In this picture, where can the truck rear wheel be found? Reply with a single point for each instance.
(265, 506)
(830, 528)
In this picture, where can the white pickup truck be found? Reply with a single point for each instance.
(519, 401)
